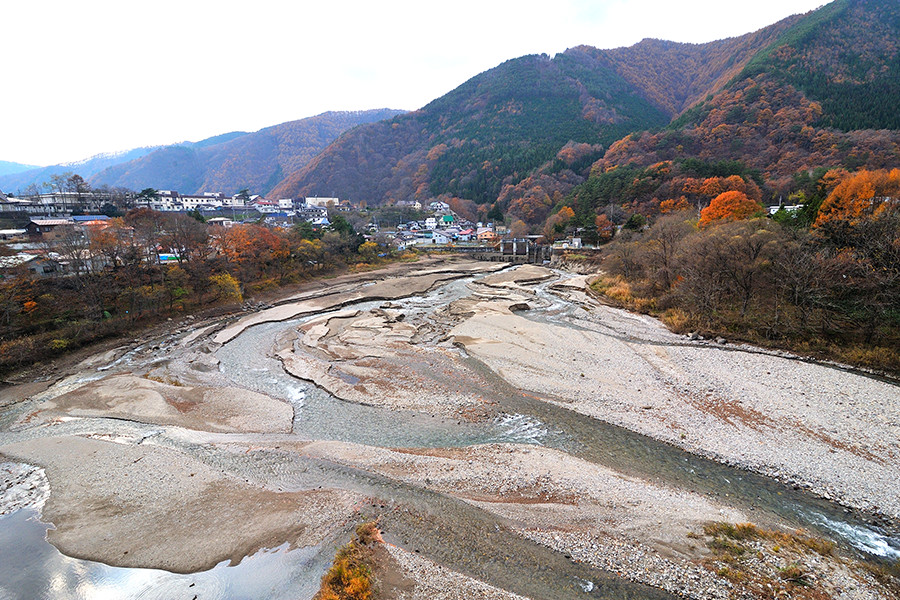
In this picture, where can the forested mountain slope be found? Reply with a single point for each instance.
(496, 127)
(814, 90)
(823, 95)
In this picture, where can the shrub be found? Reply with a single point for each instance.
(58, 345)
(676, 320)
(350, 577)
(794, 574)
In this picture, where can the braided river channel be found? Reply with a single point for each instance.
(462, 536)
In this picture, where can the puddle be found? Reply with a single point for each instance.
(37, 570)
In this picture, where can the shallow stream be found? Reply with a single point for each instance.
(524, 419)
(453, 533)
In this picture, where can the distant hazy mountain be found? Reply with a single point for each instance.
(233, 161)
(10, 168)
(18, 181)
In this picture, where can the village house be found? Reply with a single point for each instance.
(49, 229)
(439, 237)
(413, 204)
(173, 201)
(279, 219)
(788, 208)
(82, 221)
(465, 235)
(399, 244)
(264, 206)
(35, 263)
(18, 205)
(307, 212)
(486, 235)
(63, 203)
(12, 234)
(220, 222)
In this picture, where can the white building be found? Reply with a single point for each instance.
(440, 238)
(235, 201)
(323, 202)
(413, 204)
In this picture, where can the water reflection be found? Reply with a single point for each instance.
(37, 570)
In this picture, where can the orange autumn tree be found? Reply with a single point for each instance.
(557, 223)
(672, 205)
(730, 206)
(253, 251)
(606, 229)
(860, 196)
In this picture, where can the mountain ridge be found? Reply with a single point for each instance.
(11, 168)
(237, 160)
(611, 97)
(20, 182)
(739, 99)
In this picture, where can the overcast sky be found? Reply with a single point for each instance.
(96, 76)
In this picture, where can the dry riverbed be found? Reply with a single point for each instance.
(157, 460)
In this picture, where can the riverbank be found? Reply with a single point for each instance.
(153, 441)
(831, 431)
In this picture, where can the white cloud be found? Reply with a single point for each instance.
(100, 75)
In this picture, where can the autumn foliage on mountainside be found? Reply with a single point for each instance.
(675, 76)
(770, 127)
(860, 197)
(844, 56)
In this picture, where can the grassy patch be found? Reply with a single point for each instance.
(770, 564)
(351, 575)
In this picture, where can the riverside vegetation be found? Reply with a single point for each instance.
(824, 282)
(124, 286)
(351, 577)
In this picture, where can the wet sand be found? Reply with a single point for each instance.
(152, 507)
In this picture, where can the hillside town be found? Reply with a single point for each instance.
(45, 221)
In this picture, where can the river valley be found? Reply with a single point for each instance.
(513, 437)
